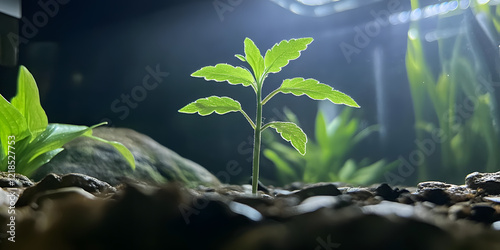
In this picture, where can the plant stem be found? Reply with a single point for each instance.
(256, 142)
(248, 118)
(268, 97)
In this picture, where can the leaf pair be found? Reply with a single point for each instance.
(24, 126)
(275, 59)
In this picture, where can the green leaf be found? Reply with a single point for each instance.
(320, 130)
(372, 173)
(347, 171)
(129, 157)
(289, 131)
(242, 58)
(254, 58)
(54, 137)
(286, 173)
(206, 106)
(27, 101)
(225, 72)
(280, 54)
(41, 160)
(12, 123)
(315, 90)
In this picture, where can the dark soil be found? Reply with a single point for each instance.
(80, 212)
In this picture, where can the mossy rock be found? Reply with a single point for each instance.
(155, 163)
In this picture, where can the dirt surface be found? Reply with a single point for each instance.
(80, 212)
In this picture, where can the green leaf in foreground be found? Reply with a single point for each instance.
(54, 137)
(225, 72)
(315, 90)
(27, 101)
(12, 122)
(289, 131)
(280, 54)
(45, 146)
(206, 106)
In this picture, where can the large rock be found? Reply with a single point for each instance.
(489, 182)
(155, 163)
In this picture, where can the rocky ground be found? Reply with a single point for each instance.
(169, 202)
(75, 211)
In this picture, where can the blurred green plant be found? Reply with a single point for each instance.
(491, 12)
(327, 158)
(27, 140)
(456, 107)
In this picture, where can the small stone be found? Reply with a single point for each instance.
(483, 213)
(328, 189)
(489, 182)
(459, 211)
(19, 180)
(386, 192)
(388, 208)
(436, 196)
(495, 199)
(359, 193)
(245, 210)
(455, 193)
(314, 203)
(433, 185)
(61, 194)
(53, 181)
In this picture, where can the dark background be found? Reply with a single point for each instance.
(90, 53)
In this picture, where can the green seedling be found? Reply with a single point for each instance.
(27, 140)
(274, 60)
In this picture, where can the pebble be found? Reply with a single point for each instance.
(328, 189)
(53, 181)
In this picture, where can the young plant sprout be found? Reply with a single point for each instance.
(276, 58)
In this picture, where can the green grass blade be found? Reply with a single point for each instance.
(315, 90)
(372, 173)
(206, 106)
(347, 171)
(280, 54)
(320, 131)
(27, 101)
(285, 172)
(129, 157)
(40, 161)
